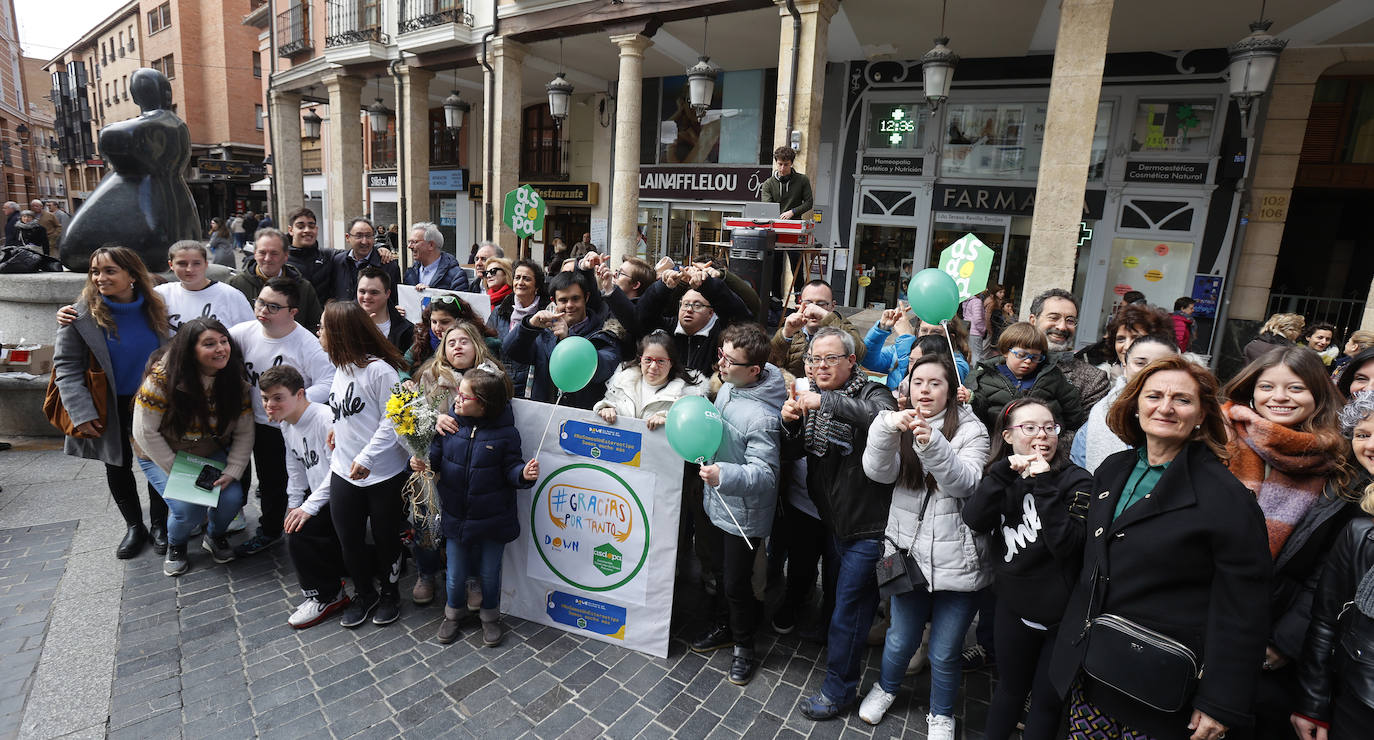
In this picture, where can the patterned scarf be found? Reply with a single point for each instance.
(823, 429)
(1286, 469)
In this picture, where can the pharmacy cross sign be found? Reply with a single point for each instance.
(524, 211)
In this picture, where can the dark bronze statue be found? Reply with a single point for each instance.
(143, 203)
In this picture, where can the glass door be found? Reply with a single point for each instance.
(650, 244)
(884, 260)
(991, 230)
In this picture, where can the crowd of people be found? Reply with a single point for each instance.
(1139, 549)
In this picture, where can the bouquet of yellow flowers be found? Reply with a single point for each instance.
(414, 417)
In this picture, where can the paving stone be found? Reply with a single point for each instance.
(547, 704)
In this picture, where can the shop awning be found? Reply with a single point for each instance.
(265, 184)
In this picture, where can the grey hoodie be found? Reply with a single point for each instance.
(749, 456)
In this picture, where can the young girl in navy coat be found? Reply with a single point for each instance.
(477, 471)
(1031, 502)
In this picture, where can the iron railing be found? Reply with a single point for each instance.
(420, 14)
(355, 22)
(383, 151)
(293, 30)
(1343, 313)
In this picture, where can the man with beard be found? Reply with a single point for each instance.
(1055, 312)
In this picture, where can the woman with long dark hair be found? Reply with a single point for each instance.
(646, 386)
(442, 313)
(120, 321)
(1031, 503)
(369, 465)
(1357, 374)
(196, 400)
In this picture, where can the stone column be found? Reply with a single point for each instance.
(815, 31)
(284, 122)
(1079, 55)
(625, 210)
(344, 180)
(413, 106)
(504, 94)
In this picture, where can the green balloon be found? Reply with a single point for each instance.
(694, 428)
(933, 295)
(572, 364)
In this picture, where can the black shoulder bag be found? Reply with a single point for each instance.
(899, 573)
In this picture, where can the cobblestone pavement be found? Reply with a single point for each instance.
(210, 654)
(32, 560)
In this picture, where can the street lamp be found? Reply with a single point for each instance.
(455, 108)
(560, 91)
(937, 67)
(1253, 59)
(701, 78)
(378, 114)
(310, 125)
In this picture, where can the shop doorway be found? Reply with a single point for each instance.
(884, 261)
(681, 230)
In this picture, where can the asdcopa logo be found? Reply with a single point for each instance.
(589, 527)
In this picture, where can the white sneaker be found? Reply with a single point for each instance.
(875, 705)
(238, 525)
(939, 727)
(312, 611)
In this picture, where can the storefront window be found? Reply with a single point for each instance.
(884, 260)
(896, 125)
(1003, 141)
(728, 133)
(1173, 126)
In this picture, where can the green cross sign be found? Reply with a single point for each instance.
(968, 261)
(524, 211)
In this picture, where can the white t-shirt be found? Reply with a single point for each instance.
(299, 349)
(307, 459)
(362, 433)
(214, 301)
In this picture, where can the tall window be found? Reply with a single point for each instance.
(131, 37)
(166, 66)
(121, 43)
(257, 64)
(160, 17)
(541, 146)
(257, 116)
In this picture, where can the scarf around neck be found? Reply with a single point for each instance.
(1285, 468)
(822, 429)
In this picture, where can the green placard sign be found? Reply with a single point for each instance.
(607, 559)
(968, 261)
(524, 211)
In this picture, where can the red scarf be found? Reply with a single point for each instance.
(498, 294)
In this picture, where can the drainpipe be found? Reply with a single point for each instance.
(489, 130)
(792, 72)
(400, 161)
(272, 73)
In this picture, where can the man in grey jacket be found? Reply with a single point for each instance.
(742, 485)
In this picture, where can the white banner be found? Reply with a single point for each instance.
(413, 301)
(598, 530)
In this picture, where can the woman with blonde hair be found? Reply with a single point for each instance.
(120, 321)
(1281, 330)
(1358, 342)
(497, 278)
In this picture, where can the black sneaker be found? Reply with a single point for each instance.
(976, 658)
(719, 637)
(743, 666)
(218, 547)
(358, 611)
(176, 562)
(255, 544)
(785, 621)
(388, 609)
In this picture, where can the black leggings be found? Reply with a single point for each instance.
(1023, 665)
(120, 478)
(351, 507)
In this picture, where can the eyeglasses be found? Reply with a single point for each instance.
(727, 362)
(827, 361)
(413, 242)
(1021, 354)
(655, 361)
(696, 306)
(364, 237)
(493, 271)
(271, 308)
(464, 398)
(1031, 430)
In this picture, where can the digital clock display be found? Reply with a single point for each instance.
(898, 126)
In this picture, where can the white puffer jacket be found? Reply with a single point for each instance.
(1096, 441)
(623, 394)
(951, 556)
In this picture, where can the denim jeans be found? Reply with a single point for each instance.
(183, 517)
(949, 614)
(476, 557)
(856, 599)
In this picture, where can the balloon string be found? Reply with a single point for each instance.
(553, 410)
(701, 461)
(952, 353)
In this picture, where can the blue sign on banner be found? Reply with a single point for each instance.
(1207, 293)
(448, 180)
(606, 444)
(587, 614)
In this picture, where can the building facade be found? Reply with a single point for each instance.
(16, 137)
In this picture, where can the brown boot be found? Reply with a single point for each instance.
(448, 629)
(492, 634)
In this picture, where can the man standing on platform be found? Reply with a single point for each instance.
(790, 189)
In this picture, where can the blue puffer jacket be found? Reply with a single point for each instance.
(893, 358)
(478, 469)
(749, 456)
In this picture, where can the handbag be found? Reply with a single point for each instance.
(899, 573)
(56, 413)
(1148, 666)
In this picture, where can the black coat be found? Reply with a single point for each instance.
(1190, 560)
(1034, 581)
(697, 351)
(477, 471)
(1341, 638)
(852, 505)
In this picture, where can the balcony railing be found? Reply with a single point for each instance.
(420, 14)
(355, 22)
(293, 30)
(383, 151)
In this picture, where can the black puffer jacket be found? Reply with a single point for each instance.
(1340, 639)
(852, 505)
